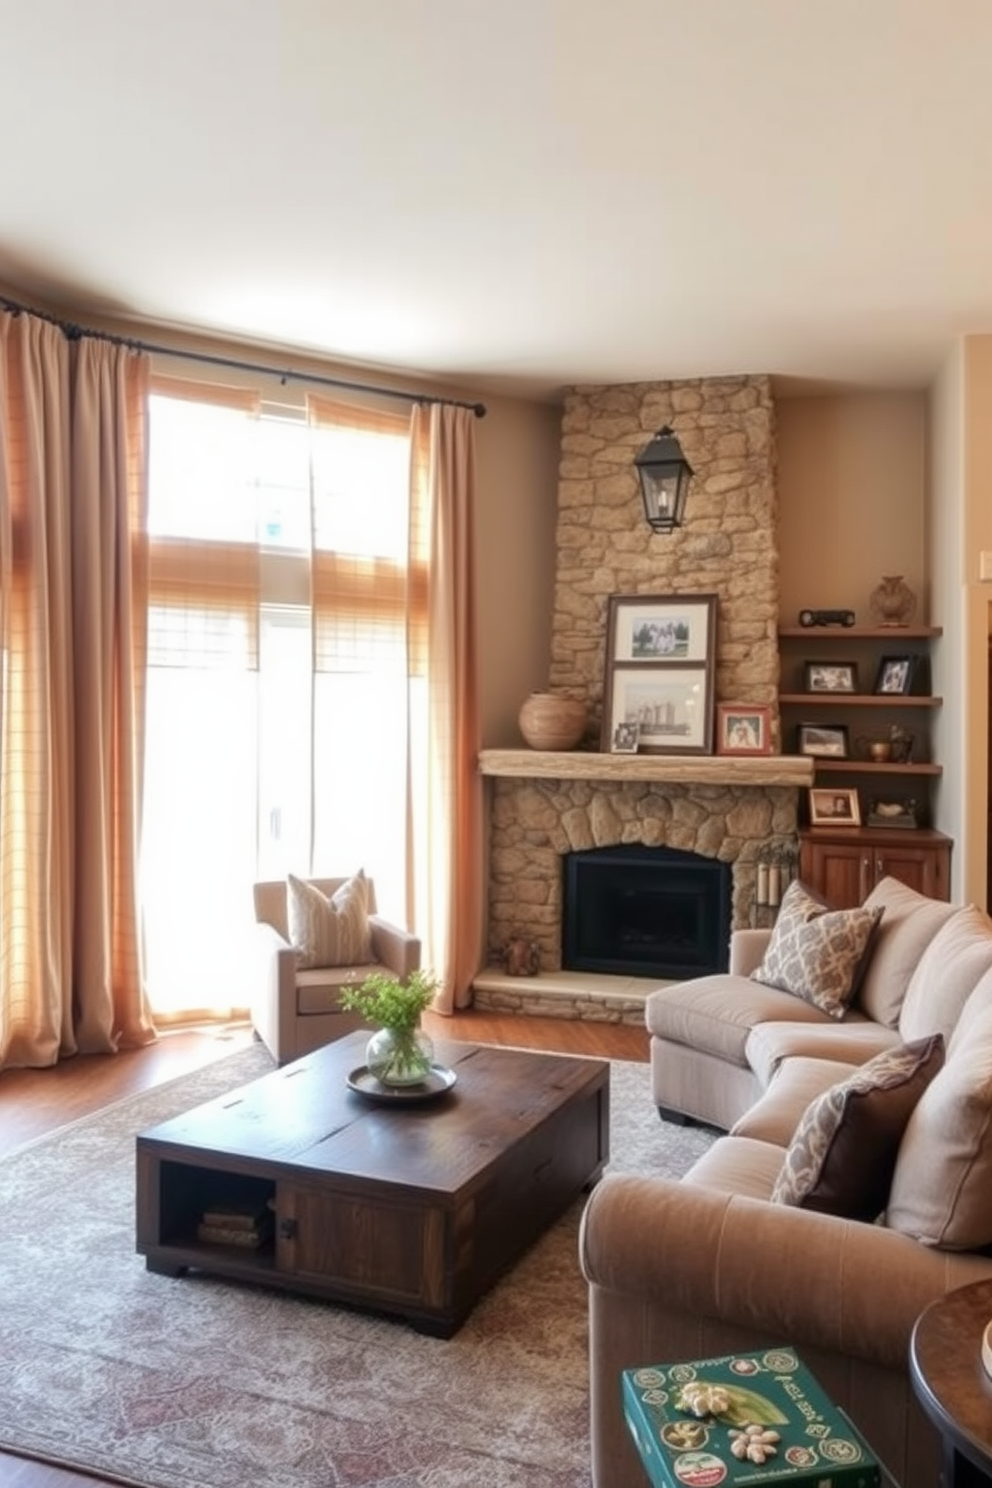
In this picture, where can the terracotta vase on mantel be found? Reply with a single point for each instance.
(550, 720)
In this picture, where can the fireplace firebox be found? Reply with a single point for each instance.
(645, 911)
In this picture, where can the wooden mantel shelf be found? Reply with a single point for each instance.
(682, 769)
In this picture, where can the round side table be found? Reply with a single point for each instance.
(949, 1380)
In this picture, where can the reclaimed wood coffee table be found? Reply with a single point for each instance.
(406, 1208)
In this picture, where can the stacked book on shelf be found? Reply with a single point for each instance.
(247, 1226)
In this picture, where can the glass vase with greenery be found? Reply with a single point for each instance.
(400, 1052)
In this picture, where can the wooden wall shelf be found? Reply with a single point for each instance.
(892, 633)
(860, 700)
(831, 766)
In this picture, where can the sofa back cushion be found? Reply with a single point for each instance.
(909, 923)
(815, 952)
(977, 1007)
(951, 966)
(942, 1185)
(841, 1158)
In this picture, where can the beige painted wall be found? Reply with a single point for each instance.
(852, 499)
(976, 533)
(517, 488)
(945, 544)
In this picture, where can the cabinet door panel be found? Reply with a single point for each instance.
(922, 868)
(839, 871)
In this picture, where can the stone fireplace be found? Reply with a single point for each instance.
(547, 806)
(729, 809)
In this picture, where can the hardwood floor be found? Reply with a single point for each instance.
(33, 1102)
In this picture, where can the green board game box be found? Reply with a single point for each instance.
(742, 1419)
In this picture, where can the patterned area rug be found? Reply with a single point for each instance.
(197, 1383)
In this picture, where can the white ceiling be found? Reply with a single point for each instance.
(512, 194)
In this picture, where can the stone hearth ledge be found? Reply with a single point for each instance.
(588, 996)
(681, 769)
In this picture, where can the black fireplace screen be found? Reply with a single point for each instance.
(645, 911)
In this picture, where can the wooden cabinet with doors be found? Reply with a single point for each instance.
(843, 865)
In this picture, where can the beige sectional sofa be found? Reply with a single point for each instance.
(711, 1264)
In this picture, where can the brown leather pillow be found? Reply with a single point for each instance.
(843, 1153)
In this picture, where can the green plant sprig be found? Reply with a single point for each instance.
(383, 1000)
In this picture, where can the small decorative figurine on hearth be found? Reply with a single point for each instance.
(521, 957)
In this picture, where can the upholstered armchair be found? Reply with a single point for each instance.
(294, 1002)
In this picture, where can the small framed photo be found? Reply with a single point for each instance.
(895, 674)
(831, 676)
(743, 728)
(625, 737)
(824, 740)
(833, 808)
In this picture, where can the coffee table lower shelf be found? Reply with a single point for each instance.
(413, 1212)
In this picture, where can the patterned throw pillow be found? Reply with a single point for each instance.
(817, 953)
(329, 932)
(843, 1154)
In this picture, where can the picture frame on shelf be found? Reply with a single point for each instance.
(833, 808)
(625, 738)
(656, 628)
(823, 740)
(671, 705)
(896, 675)
(743, 728)
(830, 676)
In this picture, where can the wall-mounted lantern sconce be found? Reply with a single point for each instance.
(665, 474)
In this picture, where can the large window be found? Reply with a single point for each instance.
(283, 622)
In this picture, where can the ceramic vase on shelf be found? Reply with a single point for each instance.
(550, 720)
(892, 602)
(399, 1056)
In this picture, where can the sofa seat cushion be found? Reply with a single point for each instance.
(941, 1189)
(854, 1041)
(815, 952)
(715, 1014)
(909, 922)
(317, 989)
(841, 1158)
(946, 974)
(776, 1114)
(738, 1165)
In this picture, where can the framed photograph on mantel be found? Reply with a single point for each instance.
(743, 728)
(656, 628)
(660, 653)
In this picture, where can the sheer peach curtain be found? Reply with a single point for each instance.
(448, 887)
(73, 579)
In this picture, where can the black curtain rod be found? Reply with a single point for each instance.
(75, 333)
